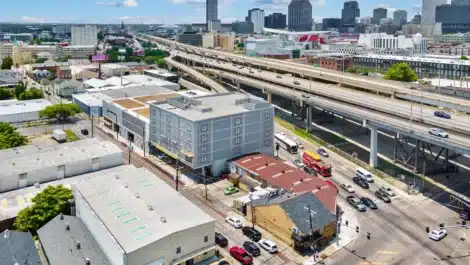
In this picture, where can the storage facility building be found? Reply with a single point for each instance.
(22, 111)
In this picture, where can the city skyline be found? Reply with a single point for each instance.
(174, 11)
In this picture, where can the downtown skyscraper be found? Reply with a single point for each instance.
(428, 16)
(348, 16)
(300, 15)
(211, 11)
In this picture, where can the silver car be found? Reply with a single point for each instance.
(438, 132)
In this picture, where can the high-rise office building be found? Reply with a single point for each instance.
(242, 27)
(366, 20)
(331, 23)
(461, 2)
(400, 17)
(256, 16)
(416, 19)
(300, 15)
(428, 16)
(211, 11)
(349, 14)
(275, 21)
(378, 14)
(87, 35)
(454, 18)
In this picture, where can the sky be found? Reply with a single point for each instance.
(172, 11)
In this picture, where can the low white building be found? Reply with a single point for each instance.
(385, 41)
(24, 168)
(132, 215)
(114, 69)
(22, 111)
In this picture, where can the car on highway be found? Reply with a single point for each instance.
(438, 132)
(268, 245)
(251, 248)
(356, 203)
(259, 71)
(310, 171)
(384, 197)
(297, 162)
(278, 76)
(387, 191)
(84, 131)
(251, 233)
(296, 82)
(347, 188)
(442, 114)
(369, 203)
(220, 240)
(234, 221)
(230, 190)
(362, 183)
(251, 72)
(241, 255)
(322, 151)
(437, 234)
(305, 96)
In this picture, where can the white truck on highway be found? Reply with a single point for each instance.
(59, 135)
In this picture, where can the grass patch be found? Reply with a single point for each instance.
(71, 136)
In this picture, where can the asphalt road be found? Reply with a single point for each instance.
(397, 229)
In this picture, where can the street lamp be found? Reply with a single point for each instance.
(177, 167)
(250, 195)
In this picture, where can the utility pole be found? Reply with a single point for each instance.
(253, 220)
(130, 147)
(92, 127)
(177, 167)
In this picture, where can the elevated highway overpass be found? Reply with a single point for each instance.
(385, 87)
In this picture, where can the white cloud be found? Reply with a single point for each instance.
(32, 19)
(130, 3)
(126, 3)
(197, 2)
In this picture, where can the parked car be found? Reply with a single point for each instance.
(387, 191)
(356, 203)
(234, 221)
(310, 171)
(362, 183)
(438, 132)
(278, 76)
(268, 245)
(84, 131)
(296, 82)
(251, 233)
(251, 248)
(347, 188)
(322, 151)
(241, 255)
(230, 190)
(437, 234)
(220, 240)
(442, 114)
(223, 262)
(298, 163)
(382, 196)
(369, 203)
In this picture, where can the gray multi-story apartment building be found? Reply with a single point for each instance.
(204, 132)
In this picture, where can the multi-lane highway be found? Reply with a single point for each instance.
(396, 89)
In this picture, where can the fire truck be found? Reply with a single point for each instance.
(313, 161)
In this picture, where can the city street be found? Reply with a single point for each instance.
(397, 229)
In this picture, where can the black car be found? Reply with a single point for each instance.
(384, 197)
(369, 203)
(442, 114)
(221, 240)
(84, 131)
(251, 233)
(362, 183)
(310, 171)
(251, 248)
(224, 262)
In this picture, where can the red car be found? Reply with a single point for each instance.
(241, 255)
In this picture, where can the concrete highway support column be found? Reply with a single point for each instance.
(417, 150)
(238, 86)
(270, 97)
(308, 120)
(373, 147)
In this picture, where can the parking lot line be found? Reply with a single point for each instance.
(5, 203)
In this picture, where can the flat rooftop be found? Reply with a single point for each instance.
(212, 106)
(23, 106)
(133, 212)
(160, 72)
(414, 59)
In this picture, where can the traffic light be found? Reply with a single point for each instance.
(427, 229)
(357, 229)
(368, 235)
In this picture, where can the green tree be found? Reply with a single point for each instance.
(463, 57)
(353, 70)
(32, 93)
(53, 74)
(9, 137)
(19, 89)
(7, 63)
(41, 60)
(5, 93)
(60, 111)
(47, 204)
(101, 36)
(161, 63)
(401, 72)
(151, 59)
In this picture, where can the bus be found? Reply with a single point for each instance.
(290, 145)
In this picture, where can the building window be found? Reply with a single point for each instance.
(238, 140)
(168, 118)
(267, 133)
(23, 176)
(153, 113)
(238, 131)
(237, 150)
(178, 250)
(204, 148)
(204, 159)
(238, 121)
(206, 238)
(189, 129)
(204, 127)
(204, 138)
(268, 142)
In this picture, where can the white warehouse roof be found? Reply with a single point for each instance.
(138, 208)
(23, 106)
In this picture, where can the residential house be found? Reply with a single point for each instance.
(65, 88)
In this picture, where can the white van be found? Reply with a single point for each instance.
(364, 174)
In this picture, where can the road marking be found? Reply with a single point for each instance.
(20, 200)
(371, 263)
(386, 252)
(5, 203)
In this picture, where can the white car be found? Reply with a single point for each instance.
(297, 162)
(234, 221)
(322, 151)
(438, 132)
(347, 188)
(268, 245)
(387, 191)
(437, 234)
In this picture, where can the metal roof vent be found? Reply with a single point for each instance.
(13, 164)
(87, 261)
(163, 219)
(150, 207)
(126, 186)
(61, 216)
(136, 195)
(116, 176)
(6, 234)
(67, 227)
(37, 158)
(77, 244)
